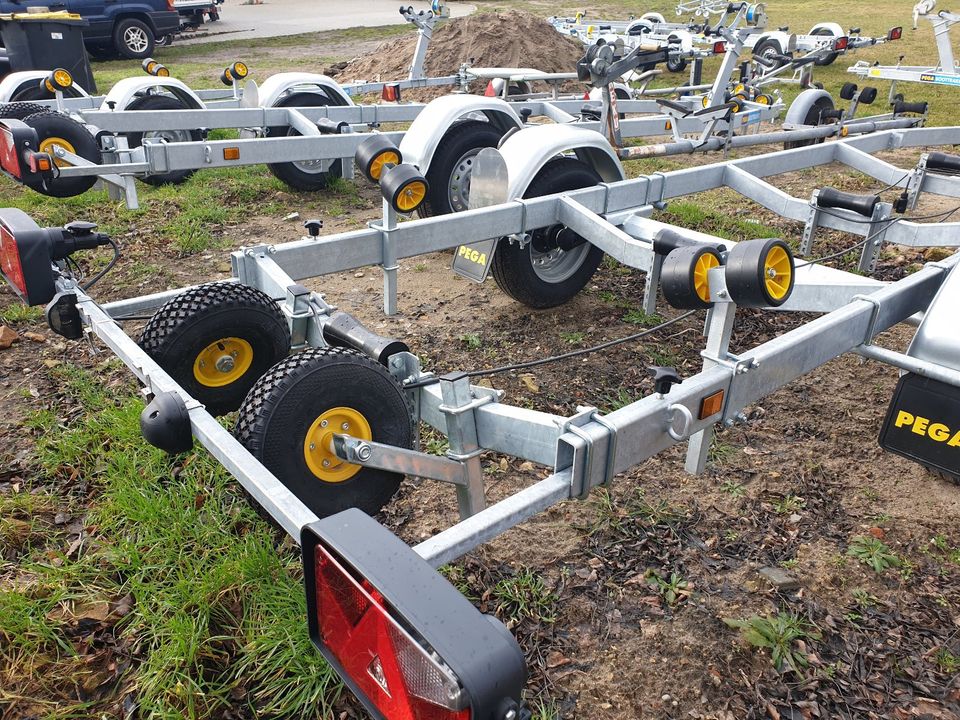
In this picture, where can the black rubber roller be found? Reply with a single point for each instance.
(848, 90)
(760, 273)
(868, 95)
(373, 153)
(920, 108)
(860, 204)
(668, 240)
(943, 161)
(684, 276)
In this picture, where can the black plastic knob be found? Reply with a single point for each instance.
(525, 114)
(313, 227)
(663, 378)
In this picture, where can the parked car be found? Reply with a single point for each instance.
(129, 28)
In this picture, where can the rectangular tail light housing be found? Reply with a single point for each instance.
(19, 155)
(719, 48)
(403, 639)
(841, 43)
(25, 257)
(895, 33)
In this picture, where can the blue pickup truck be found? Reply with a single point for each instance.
(129, 28)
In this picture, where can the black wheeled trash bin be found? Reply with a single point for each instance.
(47, 41)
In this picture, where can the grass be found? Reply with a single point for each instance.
(19, 313)
(217, 613)
(523, 596)
(674, 589)
(780, 634)
(873, 553)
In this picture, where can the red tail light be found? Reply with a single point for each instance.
(841, 43)
(170, 5)
(401, 637)
(9, 158)
(490, 90)
(391, 93)
(10, 262)
(895, 33)
(395, 673)
(719, 48)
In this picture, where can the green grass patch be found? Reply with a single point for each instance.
(217, 614)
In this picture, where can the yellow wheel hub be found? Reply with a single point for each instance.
(701, 274)
(318, 444)
(47, 146)
(410, 196)
(222, 362)
(376, 165)
(777, 273)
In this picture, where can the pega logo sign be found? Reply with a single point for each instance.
(938, 432)
(468, 253)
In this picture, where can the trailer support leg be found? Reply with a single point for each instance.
(389, 264)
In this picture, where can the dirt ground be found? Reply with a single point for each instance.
(641, 579)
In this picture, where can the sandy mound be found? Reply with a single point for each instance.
(508, 39)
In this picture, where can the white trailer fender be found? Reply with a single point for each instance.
(527, 151)
(640, 27)
(797, 112)
(427, 130)
(653, 17)
(937, 340)
(835, 29)
(685, 38)
(124, 92)
(17, 81)
(786, 41)
(275, 86)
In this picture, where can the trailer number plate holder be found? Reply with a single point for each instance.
(489, 185)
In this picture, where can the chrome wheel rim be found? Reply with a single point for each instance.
(136, 39)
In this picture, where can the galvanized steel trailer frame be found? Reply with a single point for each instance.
(943, 73)
(586, 449)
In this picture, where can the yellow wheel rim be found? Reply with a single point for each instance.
(738, 89)
(240, 69)
(706, 101)
(48, 144)
(701, 274)
(410, 196)
(318, 444)
(376, 165)
(222, 362)
(777, 273)
(763, 99)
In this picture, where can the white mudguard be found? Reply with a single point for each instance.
(427, 130)
(797, 112)
(125, 91)
(787, 42)
(835, 29)
(527, 151)
(15, 82)
(275, 86)
(937, 339)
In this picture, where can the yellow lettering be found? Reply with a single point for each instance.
(462, 250)
(938, 432)
(955, 440)
(920, 425)
(903, 418)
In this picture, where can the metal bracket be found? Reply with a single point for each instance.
(874, 314)
(810, 228)
(879, 224)
(400, 460)
(915, 182)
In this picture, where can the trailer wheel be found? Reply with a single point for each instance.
(21, 110)
(452, 165)
(770, 49)
(814, 117)
(56, 130)
(216, 339)
(830, 58)
(307, 175)
(683, 277)
(760, 273)
(290, 416)
(135, 139)
(557, 263)
(133, 39)
(39, 92)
